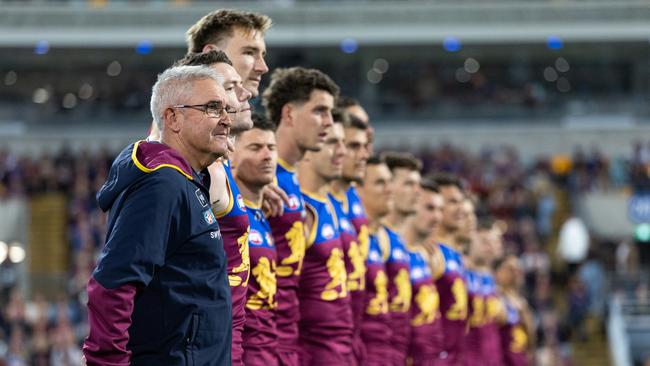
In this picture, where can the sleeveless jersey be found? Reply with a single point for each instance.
(514, 339)
(491, 344)
(399, 295)
(452, 289)
(289, 238)
(375, 326)
(359, 219)
(476, 318)
(325, 313)
(426, 334)
(260, 340)
(234, 225)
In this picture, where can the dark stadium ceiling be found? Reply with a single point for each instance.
(76, 23)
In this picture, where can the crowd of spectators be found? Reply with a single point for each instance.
(37, 331)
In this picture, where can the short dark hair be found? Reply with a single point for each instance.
(294, 84)
(355, 122)
(201, 59)
(262, 123)
(429, 185)
(446, 179)
(345, 102)
(338, 116)
(375, 160)
(219, 24)
(401, 160)
(485, 223)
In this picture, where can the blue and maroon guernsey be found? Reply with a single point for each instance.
(325, 314)
(355, 265)
(476, 318)
(359, 219)
(452, 289)
(357, 216)
(490, 336)
(375, 326)
(289, 238)
(514, 338)
(234, 229)
(260, 340)
(399, 296)
(426, 333)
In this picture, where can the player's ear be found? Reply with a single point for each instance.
(209, 47)
(287, 114)
(172, 119)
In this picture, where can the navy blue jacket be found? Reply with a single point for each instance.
(160, 293)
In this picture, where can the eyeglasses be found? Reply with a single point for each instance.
(211, 109)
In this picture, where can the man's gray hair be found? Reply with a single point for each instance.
(175, 86)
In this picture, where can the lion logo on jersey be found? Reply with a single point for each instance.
(297, 244)
(234, 278)
(402, 301)
(265, 276)
(379, 304)
(357, 278)
(519, 339)
(458, 311)
(336, 288)
(427, 301)
(364, 241)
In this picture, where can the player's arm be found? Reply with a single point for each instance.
(135, 249)
(219, 194)
(310, 225)
(529, 323)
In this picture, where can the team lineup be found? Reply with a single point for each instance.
(282, 239)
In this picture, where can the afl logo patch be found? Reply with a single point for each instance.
(328, 231)
(356, 209)
(294, 202)
(209, 218)
(240, 202)
(255, 237)
(345, 225)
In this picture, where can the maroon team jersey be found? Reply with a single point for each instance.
(234, 224)
(452, 289)
(490, 335)
(472, 354)
(325, 313)
(289, 238)
(426, 333)
(353, 209)
(259, 335)
(375, 326)
(514, 338)
(399, 295)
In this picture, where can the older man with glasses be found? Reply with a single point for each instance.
(160, 293)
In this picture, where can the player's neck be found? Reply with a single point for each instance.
(395, 220)
(250, 192)
(288, 149)
(449, 238)
(197, 160)
(411, 234)
(310, 181)
(338, 187)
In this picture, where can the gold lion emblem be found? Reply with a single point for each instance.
(427, 301)
(297, 244)
(265, 276)
(402, 301)
(336, 288)
(379, 304)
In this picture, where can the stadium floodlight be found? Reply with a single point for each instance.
(16, 253)
(3, 251)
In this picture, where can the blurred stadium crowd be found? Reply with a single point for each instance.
(531, 199)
